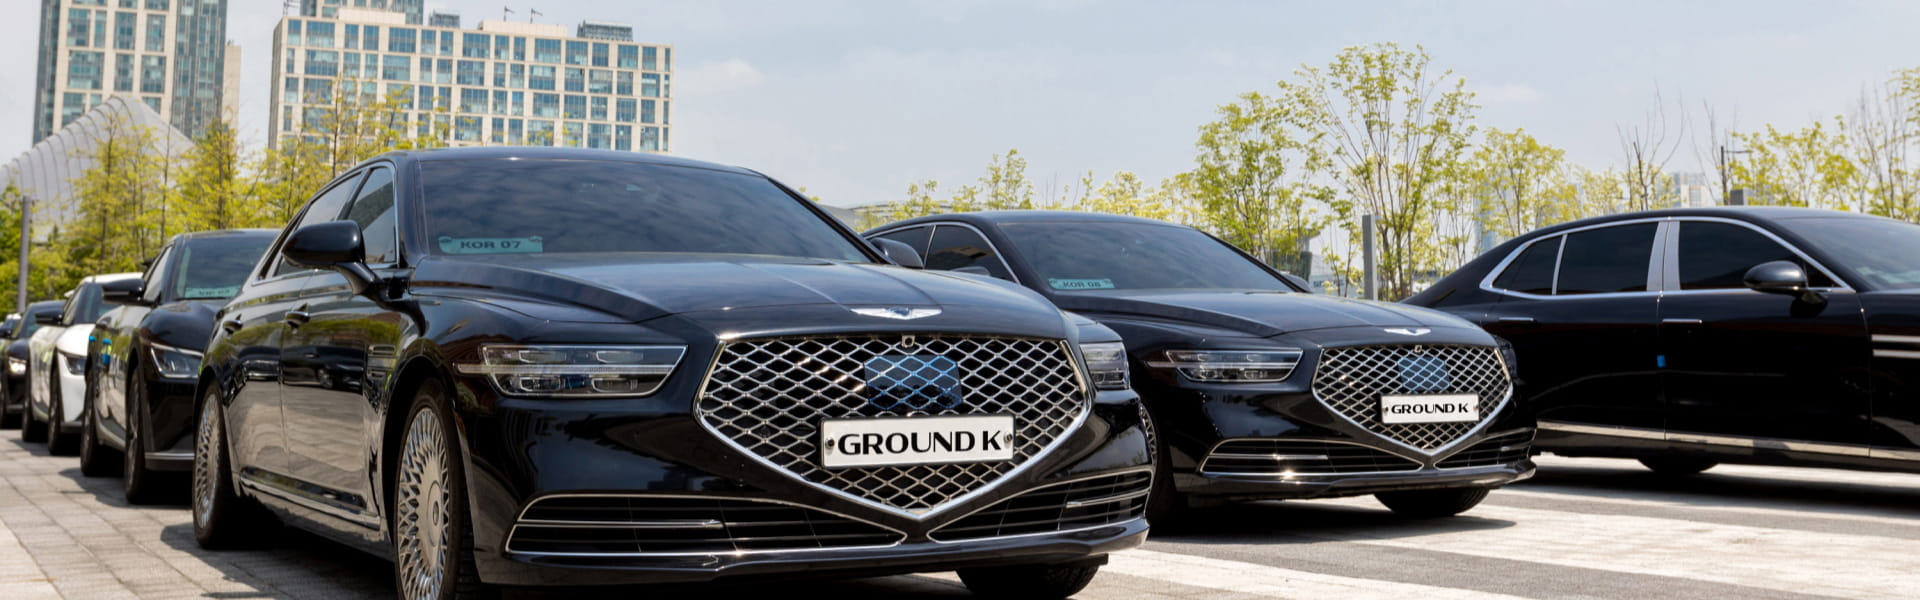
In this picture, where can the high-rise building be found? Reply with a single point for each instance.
(169, 54)
(505, 83)
(413, 9)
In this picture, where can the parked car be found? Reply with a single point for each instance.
(146, 357)
(527, 366)
(1257, 389)
(1686, 338)
(18, 338)
(56, 364)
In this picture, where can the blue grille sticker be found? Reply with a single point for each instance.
(913, 382)
(1423, 374)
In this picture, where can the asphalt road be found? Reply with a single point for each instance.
(1583, 529)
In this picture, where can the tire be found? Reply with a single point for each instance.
(222, 518)
(1432, 504)
(59, 443)
(1677, 466)
(1164, 503)
(1029, 582)
(9, 419)
(432, 535)
(96, 460)
(31, 429)
(136, 481)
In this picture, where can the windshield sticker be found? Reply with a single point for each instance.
(454, 245)
(1081, 284)
(212, 292)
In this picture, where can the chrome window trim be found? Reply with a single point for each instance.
(1731, 441)
(1663, 268)
(1653, 263)
(1673, 266)
(520, 518)
(1127, 471)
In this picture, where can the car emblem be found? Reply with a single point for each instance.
(1413, 331)
(897, 312)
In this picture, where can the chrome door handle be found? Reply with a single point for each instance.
(1683, 322)
(1518, 321)
(296, 318)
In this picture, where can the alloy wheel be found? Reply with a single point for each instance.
(205, 479)
(423, 522)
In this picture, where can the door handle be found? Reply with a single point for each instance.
(296, 318)
(1682, 322)
(1517, 321)
(231, 326)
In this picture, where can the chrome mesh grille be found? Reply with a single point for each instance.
(769, 396)
(1351, 380)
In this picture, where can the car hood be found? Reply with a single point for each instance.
(644, 287)
(1261, 314)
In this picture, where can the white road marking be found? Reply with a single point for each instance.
(1263, 580)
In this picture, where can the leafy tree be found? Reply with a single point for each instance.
(1808, 167)
(1253, 179)
(210, 190)
(1520, 183)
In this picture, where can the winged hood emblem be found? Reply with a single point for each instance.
(1413, 331)
(897, 312)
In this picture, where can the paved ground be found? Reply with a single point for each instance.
(1583, 529)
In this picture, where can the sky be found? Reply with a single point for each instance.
(855, 99)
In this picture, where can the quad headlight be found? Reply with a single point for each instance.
(1232, 366)
(174, 363)
(1106, 364)
(552, 371)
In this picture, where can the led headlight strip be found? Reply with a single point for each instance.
(570, 371)
(1232, 366)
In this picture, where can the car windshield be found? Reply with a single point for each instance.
(213, 268)
(1076, 257)
(1882, 252)
(581, 206)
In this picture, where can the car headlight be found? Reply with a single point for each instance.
(174, 363)
(1106, 364)
(76, 365)
(16, 366)
(1232, 366)
(575, 371)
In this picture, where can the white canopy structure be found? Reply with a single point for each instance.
(45, 173)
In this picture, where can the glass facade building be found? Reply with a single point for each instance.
(169, 54)
(413, 9)
(504, 83)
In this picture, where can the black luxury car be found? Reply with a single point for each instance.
(524, 366)
(1691, 337)
(146, 357)
(18, 348)
(1258, 390)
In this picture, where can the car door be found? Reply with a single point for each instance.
(1747, 367)
(1581, 311)
(257, 322)
(119, 359)
(337, 358)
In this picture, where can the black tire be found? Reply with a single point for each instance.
(222, 518)
(59, 443)
(1164, 503)
(1029, 582)
(136, 481)
(428, 453)
(1432, 504)
(1677, 466)
(31, 429)
(96, 460)
(8, 418)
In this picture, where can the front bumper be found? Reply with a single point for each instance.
(1231, 487)
(168, 424)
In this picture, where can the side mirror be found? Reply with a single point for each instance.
(333, 245)
(1297, 281)
(47, 318)
(124, 291)
(899, 253)
(1782, 277)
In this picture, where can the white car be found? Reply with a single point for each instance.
(57, 366)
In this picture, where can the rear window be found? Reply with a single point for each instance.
(1606, 260)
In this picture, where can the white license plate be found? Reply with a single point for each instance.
(915, 441)
(1434, 408)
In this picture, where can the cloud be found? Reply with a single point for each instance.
(1509, 93)
(716, 77)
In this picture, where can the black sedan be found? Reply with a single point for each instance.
(14, 394)
(520, 366)
(145, 357)
(1257, 389)
(1686, 338)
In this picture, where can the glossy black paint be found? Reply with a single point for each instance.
(15, 391)
(1771, 372)
(1193, 417)
(124, 385)
(316, 371)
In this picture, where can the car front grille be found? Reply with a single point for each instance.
(769, 396)
(1300, 457)
(614, 525)
(1506, 448)
(1059, 507)
(1351, 380)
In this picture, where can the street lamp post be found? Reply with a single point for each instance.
(26, 239)
(1726, 191)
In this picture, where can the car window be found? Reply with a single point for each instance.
(1532, 271)
(1882, 253)
(326, 207)
(85, 306)
(956, 247)
(156, 276)
(1715, 256)
(1606, 260)
(373, 210)
(911, 236)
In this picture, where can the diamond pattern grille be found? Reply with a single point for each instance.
(1351, 380)
(769, 396)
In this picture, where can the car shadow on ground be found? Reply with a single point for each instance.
(1304, 521)
(1722, 488)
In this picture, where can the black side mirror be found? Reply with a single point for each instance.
(47, 318)
(333, 245)
(1782, 277)
(900, 253)
(123, 291)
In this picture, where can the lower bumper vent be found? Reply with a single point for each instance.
(1059, 507)
(642, 525)
(1506, 448)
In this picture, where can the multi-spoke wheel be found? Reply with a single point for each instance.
(221, 518)
(136, 480)
(95, 460)
(432, 541)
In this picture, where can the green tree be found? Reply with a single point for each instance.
(210, 190)
(1253, 182)
(1520, 183)
(1126, 194)
(1808, 167)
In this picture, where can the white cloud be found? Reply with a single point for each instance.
(716, 77)
(1508, 93)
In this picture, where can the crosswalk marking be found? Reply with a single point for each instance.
(1249, 578)
(1678, 503)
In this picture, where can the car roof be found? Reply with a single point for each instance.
(1758, 214)
(546, 153)
(45, 305)
(1004, 217)
(108, 277)
(225, 233)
